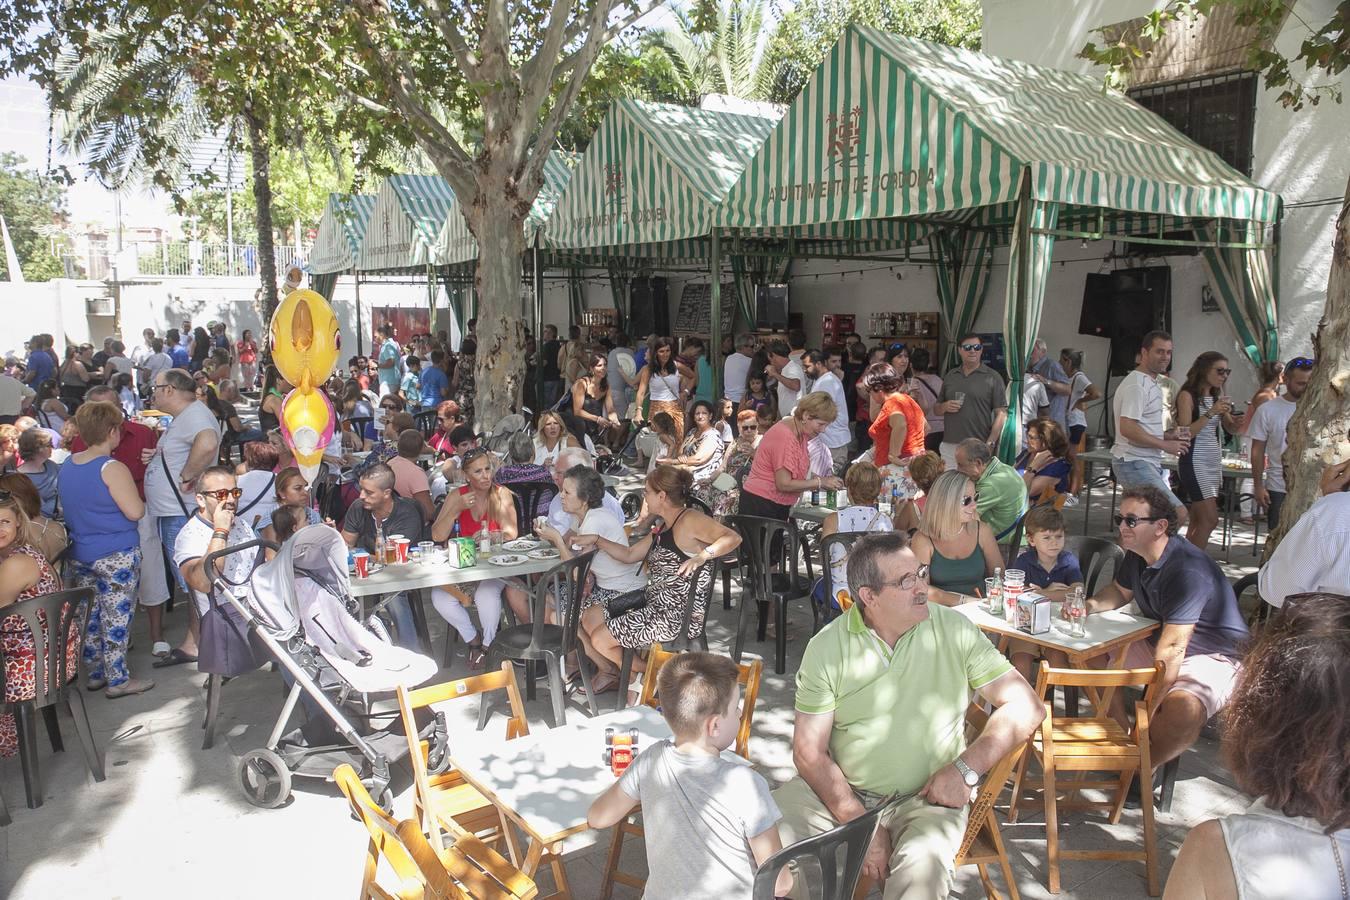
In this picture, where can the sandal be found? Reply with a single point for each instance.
(174, 657)
(604, 683)
(127, 688)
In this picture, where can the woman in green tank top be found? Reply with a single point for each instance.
(959, 549)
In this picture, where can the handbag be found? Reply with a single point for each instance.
(226, 646)
(627, 602)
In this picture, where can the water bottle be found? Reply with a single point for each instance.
(884, 506)
(1076, 604)
(484, 541)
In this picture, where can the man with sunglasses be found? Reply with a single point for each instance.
(212, 528)
(1177, 583)
(1268, 429)
(982, 406)
(881, 699)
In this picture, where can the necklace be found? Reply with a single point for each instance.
(1340, 867)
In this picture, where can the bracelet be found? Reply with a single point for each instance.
(223, 535)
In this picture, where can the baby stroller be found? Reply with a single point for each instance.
(299, 608)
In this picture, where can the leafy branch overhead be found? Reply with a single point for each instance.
(1324, 49)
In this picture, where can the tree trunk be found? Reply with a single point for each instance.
(1319, 432)
(261, 153)
(500, 373)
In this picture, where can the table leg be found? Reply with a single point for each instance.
(562, 888)
(417, 603)
(533, 857)
(1090, 472)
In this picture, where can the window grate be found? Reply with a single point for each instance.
(1217, 112)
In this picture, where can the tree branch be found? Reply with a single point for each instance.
(568, 62)
(534, 83)
(465, 58)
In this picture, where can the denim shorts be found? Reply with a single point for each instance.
(1134, 472)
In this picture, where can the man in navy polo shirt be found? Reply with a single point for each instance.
(1202, 632)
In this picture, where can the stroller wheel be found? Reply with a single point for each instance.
(265, 778)
(383, 796)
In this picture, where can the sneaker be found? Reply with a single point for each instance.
(1071, 500)
(127, 688)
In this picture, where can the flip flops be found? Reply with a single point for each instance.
(174, 657)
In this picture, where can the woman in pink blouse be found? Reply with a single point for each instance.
(782, 465)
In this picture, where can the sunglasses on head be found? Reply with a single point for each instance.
(972, 346)
(224, 494)
(973, 498)
(1300, 362)
(473, 453)
(1132, 521)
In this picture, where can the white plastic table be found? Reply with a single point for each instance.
(546, 781)
(807, 512)
(415, 577)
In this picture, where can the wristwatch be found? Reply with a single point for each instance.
(968, 775)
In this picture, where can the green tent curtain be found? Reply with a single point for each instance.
(576, 294)
(620, 282)
(457, 293)
(1028, 270)
(324, 284)
(1243, 281)
(965, 261)
(749, 271)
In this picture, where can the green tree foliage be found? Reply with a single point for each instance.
(716, 50)
(807, 32)
(34, 208)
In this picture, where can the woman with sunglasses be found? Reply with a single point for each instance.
(469, 509)
(958, 548)
(1202, 408)
(102, 508)
(723, 497)
(591, 412)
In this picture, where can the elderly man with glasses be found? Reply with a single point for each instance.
(881, 700)
(974, 401)
(186, 449)
(1175, 582)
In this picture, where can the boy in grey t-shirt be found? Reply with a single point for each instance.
(709, 822)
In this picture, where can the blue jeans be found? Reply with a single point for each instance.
(1136, 472)
(405, 629)
(169, 526)
(249, 435)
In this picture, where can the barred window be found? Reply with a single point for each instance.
(1217, 112)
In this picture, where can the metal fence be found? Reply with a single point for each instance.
(189, 258)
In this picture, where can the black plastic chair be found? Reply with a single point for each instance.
(732, 560)
(538, 641)
(63, 611)
(529, 496)
(682, 642)
(845, 539)
(839, 878)
(1093, 555)
(426, 422)
(359, 425)
(772, 549)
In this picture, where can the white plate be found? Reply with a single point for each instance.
(507, 559)
(520, 545)
(543, 553)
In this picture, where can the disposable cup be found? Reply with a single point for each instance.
(401, 546)
(362, 559)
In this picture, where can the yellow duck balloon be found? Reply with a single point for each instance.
(305, 347)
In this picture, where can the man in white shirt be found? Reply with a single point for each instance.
(736, 370)
(836, 434)
(14, 394)
(1136, 456)
(1313, 553)
(140, 353)
(1268, 430)
(785, 368)
(158, 361)
(1035, 401)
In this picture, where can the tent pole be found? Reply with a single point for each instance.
(715, 329)
(537, 277)
(360, 338)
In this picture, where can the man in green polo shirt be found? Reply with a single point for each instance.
(881, 699)
(1002, 492)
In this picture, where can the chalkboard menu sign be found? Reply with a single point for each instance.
(695, 315)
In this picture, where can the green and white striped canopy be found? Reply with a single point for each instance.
(891, 127)
(457, 245)
(340, 232)
(653, 173)
(405, 222)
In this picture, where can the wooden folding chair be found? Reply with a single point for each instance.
(1097, 744)
(982, 844)
(469, 869)
(446, 800)
(750, 674)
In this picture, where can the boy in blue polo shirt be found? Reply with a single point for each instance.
(1052, 570)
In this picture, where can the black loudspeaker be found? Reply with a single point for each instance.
(771, 306)
(648, 308)
(1095, 317)
(1141, 301)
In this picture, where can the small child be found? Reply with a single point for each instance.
(705, 817)
(411, 385)
(1052, 570)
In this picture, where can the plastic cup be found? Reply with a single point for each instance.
(959, 398)
(401, 545)
(425, 549)
(362, 560)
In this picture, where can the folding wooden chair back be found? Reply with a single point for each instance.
(749, 677)
(445, 799)
(1096, 744)
(469, 869)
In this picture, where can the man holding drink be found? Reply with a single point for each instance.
(1136, 456)
(974, 401)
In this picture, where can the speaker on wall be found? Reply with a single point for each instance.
(1095, 317)
(648, 307)
(1141, 301)
(771, 306)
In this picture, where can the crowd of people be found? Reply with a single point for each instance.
(116, 474)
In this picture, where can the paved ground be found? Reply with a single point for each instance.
(170, 818)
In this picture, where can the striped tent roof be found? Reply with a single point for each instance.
(340, 232)
(653, 173)
(890, 126)
(457, 245)
(405, 222)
